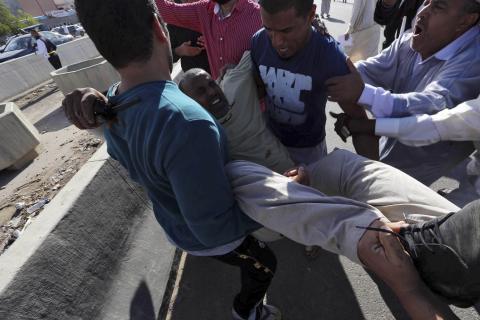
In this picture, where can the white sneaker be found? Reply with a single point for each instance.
(261, 312)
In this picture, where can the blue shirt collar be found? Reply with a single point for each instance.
(447, 52)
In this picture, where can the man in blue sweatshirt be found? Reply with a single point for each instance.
(175, 149)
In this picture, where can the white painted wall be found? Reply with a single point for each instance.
(22, 74)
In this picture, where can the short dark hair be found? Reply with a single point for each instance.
(472, 6)
(302, 7)
(122, 30)
(189, 76)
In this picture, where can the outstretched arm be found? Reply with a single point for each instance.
(365, 144)
(383, 254)
(456, 124)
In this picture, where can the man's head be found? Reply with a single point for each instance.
(34, 33)
(288, 24)
(442, 21)
(199, 85)
(125, 32)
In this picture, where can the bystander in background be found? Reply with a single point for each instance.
(397, 16)
(188, 46)
(325, 11)
(363, 35)
(65, 29)
(46, 49)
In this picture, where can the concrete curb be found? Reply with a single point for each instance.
(27, 92)
(95, 252)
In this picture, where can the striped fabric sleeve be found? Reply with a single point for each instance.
(186, 15)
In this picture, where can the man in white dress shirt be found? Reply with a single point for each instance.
(461, 123)
(436, 66)
(46, 49)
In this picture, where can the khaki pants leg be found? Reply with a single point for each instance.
(247, 133)
(298, 212)
(394, 193)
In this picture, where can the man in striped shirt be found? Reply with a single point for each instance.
(227, 26)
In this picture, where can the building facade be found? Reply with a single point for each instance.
(65, 4)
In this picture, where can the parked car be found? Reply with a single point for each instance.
(38, 27)
(75, 30)
(79, 29)
(56, 38)
(58, 30)
(22, 45)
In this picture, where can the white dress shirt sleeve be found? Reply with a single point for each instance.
(42, 49)
(461, 123)
(378, 100)
(413, 131)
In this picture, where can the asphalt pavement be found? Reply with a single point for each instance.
(329, 287)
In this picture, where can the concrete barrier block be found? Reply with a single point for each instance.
(24, 73)
(18, 136)
(96, 73)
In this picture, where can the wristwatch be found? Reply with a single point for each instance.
(341, 125)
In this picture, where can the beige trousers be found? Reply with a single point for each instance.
(394, 193)
(298, 212)
(358, 191)
(247, 133)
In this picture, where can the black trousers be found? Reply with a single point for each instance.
(257, 264)
(54, 60)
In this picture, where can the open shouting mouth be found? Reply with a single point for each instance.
(418, 29)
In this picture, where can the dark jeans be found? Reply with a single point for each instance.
(257, 264)
(54, 60)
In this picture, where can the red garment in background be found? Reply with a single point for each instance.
(225, 39)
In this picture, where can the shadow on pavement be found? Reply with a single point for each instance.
(302, 289)
(8, 175)
(395, 306)
(465, 192)
(311, 289)
(141, 307)
(333, 20)
(54, 121)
